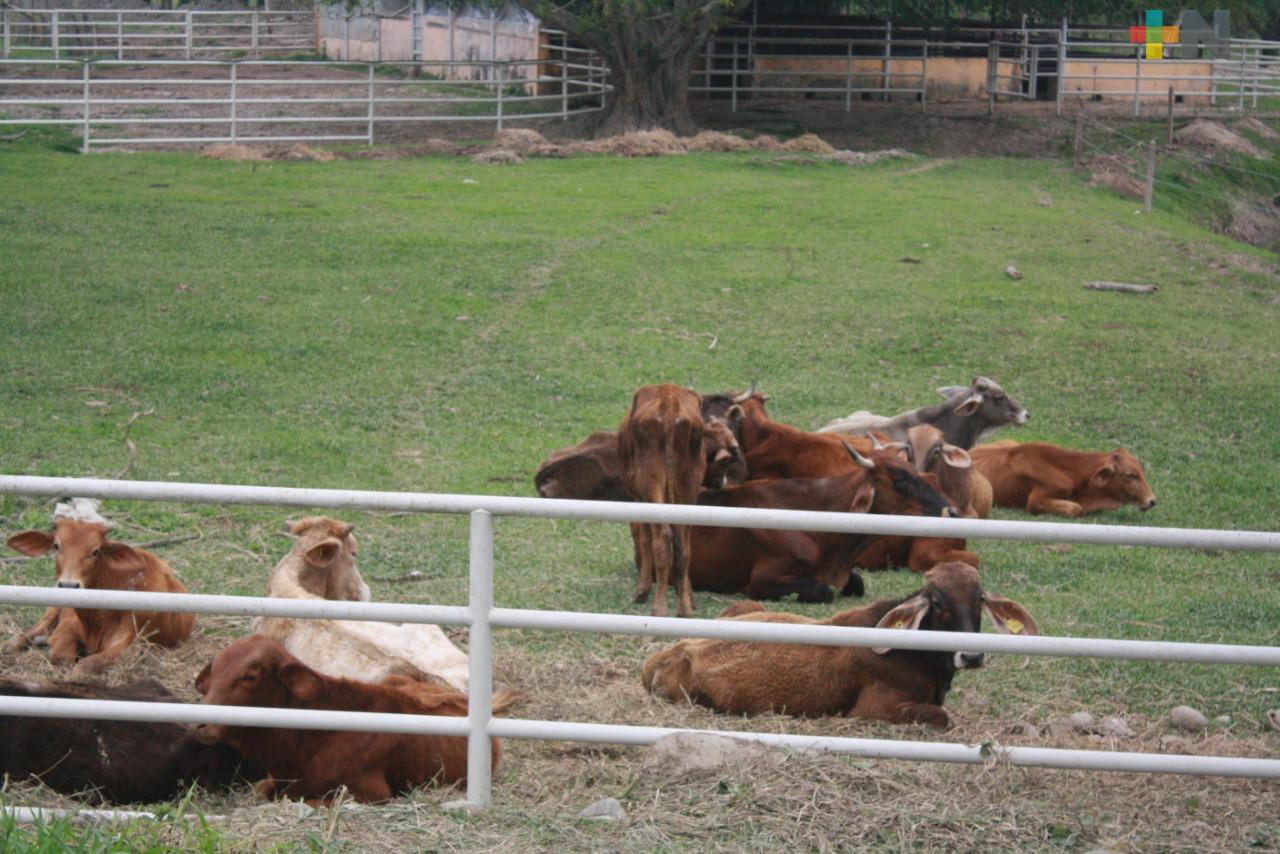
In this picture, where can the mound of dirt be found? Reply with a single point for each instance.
(710, 140)
(1116, 175)
(1256, 223)
(548, 150)
(809, 144)
(1215, 137)
(301, 151)
(519, 140)
(1255, 126)
(765, 142)
(224, 151)
(645, 143)
(497, 155)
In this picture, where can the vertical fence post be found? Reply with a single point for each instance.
(1137, 82)
(993, 66)
(848, 78)
(1257, 71)
(924, 75)
(1169, 140)
(888, 60)
(119, 35)
(53, 35)
(1062, 64)
(497, 82)
(253, 33)
(1079, 140)
(1149, 190)
(480, 660)
(733, 84)
(371, 102)
(84, 143)
(4, 32)
(564, 86)
(1240, 85)
(710, 61)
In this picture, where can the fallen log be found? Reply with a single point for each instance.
(1122, 287)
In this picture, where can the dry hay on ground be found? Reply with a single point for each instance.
(644, 143)
(225, 151)
(519, 140)
(1115, 172)
(302, 151)
(710, 140)
(1256, 223)
(765, 142)
(865, 158)
(497, 156)
(809, 144)
(296, 152)
(1218, 138)
(1253, 125)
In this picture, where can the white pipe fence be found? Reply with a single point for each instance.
(128, 33)
(206, 101)
(481, 617)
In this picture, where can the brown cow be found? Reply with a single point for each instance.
(769, 564)
(776, 450)
(1041, 478)
(953, 467)
(312, 764)
(119, 762)
(84, 557)
(899, 686)
(660, 450)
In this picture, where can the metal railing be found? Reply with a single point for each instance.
(482, 617)
(127, 33)
(209, 101)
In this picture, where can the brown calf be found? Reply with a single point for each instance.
(312, 764)
(660, 451)
(1042, 478)
(119, 762)
(899, 686)
(84, 557)
(769, 564)
(953, 468)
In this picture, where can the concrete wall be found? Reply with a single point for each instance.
(468, 39)
(1083, 79)
(949, 77)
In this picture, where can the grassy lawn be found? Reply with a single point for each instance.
(437, 325)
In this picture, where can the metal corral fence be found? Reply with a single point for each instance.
(208, 101)
(481, 617)
(126, 33)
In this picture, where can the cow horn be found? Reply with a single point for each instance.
(876, 444)
(858, 458)
(746, 395)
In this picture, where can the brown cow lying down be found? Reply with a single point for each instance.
(312, 764)
(84, 557)
(1042, 478)
(117, 762)
(953, 467)
(899, 686)
(769, 564)
(322, 565)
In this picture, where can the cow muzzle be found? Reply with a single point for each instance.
(209, 733)
(969, 660)
(69, 585)
(1148, 504)
(1023, 417)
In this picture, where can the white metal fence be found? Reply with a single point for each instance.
(111, 102)
(481, 616)
(136, 33)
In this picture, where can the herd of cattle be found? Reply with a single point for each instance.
(673, 446)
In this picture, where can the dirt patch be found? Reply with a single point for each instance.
(224, 151)
(710, 140)
(1216, 138)
(865, 158)
(301, 151)
(1255, 126)
(1115, 173)
(497, 156)
(434, 145)
(1256, 223)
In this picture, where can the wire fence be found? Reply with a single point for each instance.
(138, 33)
(481, 617)
(114, 103)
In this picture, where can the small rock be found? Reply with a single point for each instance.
(1022, 728)
(605, 809)
(1172, 743)
(1012, 272)
(458, 806)
(1058, 729)
(1081, 721)
(1273, 718)
(1117, 727)
(1187, 718)
(1223, 719)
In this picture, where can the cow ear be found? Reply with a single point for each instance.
(31, 543)
(969, 405)
(733, 414)
(1104, 473)
(202, 681)
(906, 616)
(322, 553)
(956, 457)
(345, 531)
(863, 498)
(950, 391)
(123, 558)
(303, 682)
(1009, 617)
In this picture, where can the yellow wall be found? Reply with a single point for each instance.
(1083, 79)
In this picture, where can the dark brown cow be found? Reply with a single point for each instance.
(1042, 478)
(660, 449)
(312, 764)
(84, 557)
(899, 686)
(118, 762)
(770, 564)
(776, 450)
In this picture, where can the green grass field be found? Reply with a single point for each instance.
(437, 325)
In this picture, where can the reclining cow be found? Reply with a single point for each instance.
(1041, 478)
(899, 686)
(322, 565)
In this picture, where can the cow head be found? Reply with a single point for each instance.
(896, 487)
(80, 551)
(952, 600)
(328, 550)
(987, 401)
(1121, 478)
(950, 464)
(254, 671)
(726, 466)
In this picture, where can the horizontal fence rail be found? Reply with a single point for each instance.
(481, 617)
(112, 102)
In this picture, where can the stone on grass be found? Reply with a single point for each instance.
(683, 754)
(605, 809)
(1273, 718)
(1081, 721)
(1116, 727)
(1187, 718)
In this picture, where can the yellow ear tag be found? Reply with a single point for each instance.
(899, 624)
(1015, 626)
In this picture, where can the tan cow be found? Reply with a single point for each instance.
(322, 565)
(1041, 478)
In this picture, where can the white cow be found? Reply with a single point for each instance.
(322, 565)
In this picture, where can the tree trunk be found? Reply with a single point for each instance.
(648, 98)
